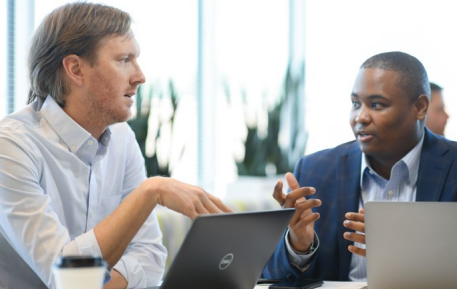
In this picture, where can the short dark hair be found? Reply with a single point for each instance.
(435, 87)
(75, 28)
(412, 78)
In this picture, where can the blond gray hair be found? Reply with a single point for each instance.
(75, 28)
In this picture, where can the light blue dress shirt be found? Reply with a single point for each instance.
(401, 187)
(57, 183)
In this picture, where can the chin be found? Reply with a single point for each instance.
(121, 118)
(366, 149)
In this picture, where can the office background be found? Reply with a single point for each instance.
(220, 72)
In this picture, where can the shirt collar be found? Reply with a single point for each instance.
(411, 159)
(71, 133)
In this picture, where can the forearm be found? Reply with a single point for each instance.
(116, 231)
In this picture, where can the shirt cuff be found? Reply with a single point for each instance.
(132, 271)
(301, 261)
(85, 244)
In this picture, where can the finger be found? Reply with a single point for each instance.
(356, 226)
(295, 218)
(305, 221)
(308, 204)
(189, 210)
(202, 203)
(218, 202)
(292, 182)
(355, 217)
(303, 209)
(358, 238)
(295, 195)
(204, 207)
(192, 215)
(278, 194)
(357, 250)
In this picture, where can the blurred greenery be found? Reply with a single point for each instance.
(140, 125)
(262, 152)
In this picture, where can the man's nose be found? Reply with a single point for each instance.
(362, 115)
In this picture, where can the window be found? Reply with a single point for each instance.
(3, 60)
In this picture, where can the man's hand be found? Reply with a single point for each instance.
(187, 199)
(356, 222)
(116, 231)
(301, 226)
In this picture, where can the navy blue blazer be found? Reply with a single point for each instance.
(335, 173)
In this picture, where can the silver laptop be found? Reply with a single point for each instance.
(411, 245)
(227, 251)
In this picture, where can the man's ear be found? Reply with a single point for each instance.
(72, 65)
(422, 103)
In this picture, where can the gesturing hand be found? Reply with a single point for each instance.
(188, 199)
(301, 226)
(356, 222)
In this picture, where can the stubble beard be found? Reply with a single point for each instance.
(105, 109)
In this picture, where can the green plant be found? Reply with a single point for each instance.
(140, 126)
(262, 152)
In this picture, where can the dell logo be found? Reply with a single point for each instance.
(226, 261)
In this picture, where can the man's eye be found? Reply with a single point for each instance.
(355, 104)
(376, 105)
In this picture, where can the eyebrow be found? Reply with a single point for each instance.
(128, 54)
(371, 97)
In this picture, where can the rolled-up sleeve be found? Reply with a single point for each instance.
(143, 263)
(85, 244)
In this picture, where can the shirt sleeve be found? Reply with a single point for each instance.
(301, 261)
(28, 221)
(143, 263)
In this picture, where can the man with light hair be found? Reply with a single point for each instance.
(72, 177)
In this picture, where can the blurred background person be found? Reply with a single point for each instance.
(436, 116)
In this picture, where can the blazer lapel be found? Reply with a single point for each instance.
(433, 169)
(348, 181)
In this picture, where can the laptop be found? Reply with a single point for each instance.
(227, 251)
(411, 245)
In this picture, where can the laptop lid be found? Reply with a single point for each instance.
(227, 251)
(411, 245)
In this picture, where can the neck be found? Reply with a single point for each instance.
(382, 164)
(382, 167)
(85, 122)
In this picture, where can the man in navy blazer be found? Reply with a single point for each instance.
(394, 158)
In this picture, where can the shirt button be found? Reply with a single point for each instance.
(90, 142)
(73, 148)
(91, 214)
(371, 172)
(390, 193)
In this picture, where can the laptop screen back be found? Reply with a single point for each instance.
(227, 251)
(411, 245)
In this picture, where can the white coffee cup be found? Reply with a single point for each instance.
(77, 272)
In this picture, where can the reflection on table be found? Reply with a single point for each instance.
(331, 285)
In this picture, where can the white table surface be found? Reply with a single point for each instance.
(331, 285)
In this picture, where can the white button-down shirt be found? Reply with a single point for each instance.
(57, 183)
